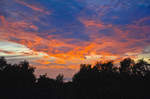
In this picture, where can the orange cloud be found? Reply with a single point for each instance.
(33, 7)
(2, 20)
(7, 52)
(61, 54)
(89, 23)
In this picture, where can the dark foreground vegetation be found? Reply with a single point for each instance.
(103, 81)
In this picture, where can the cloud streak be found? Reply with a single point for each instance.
(33, 7)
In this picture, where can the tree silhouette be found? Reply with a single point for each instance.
(60, 78)
(126, 64)
(141, 67)
(100, 81)
(20, 75)
(3, 63)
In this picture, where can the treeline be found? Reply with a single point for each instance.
(129, 80)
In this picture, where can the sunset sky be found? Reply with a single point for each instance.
(56, 36)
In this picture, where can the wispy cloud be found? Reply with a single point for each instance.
(34, 7)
